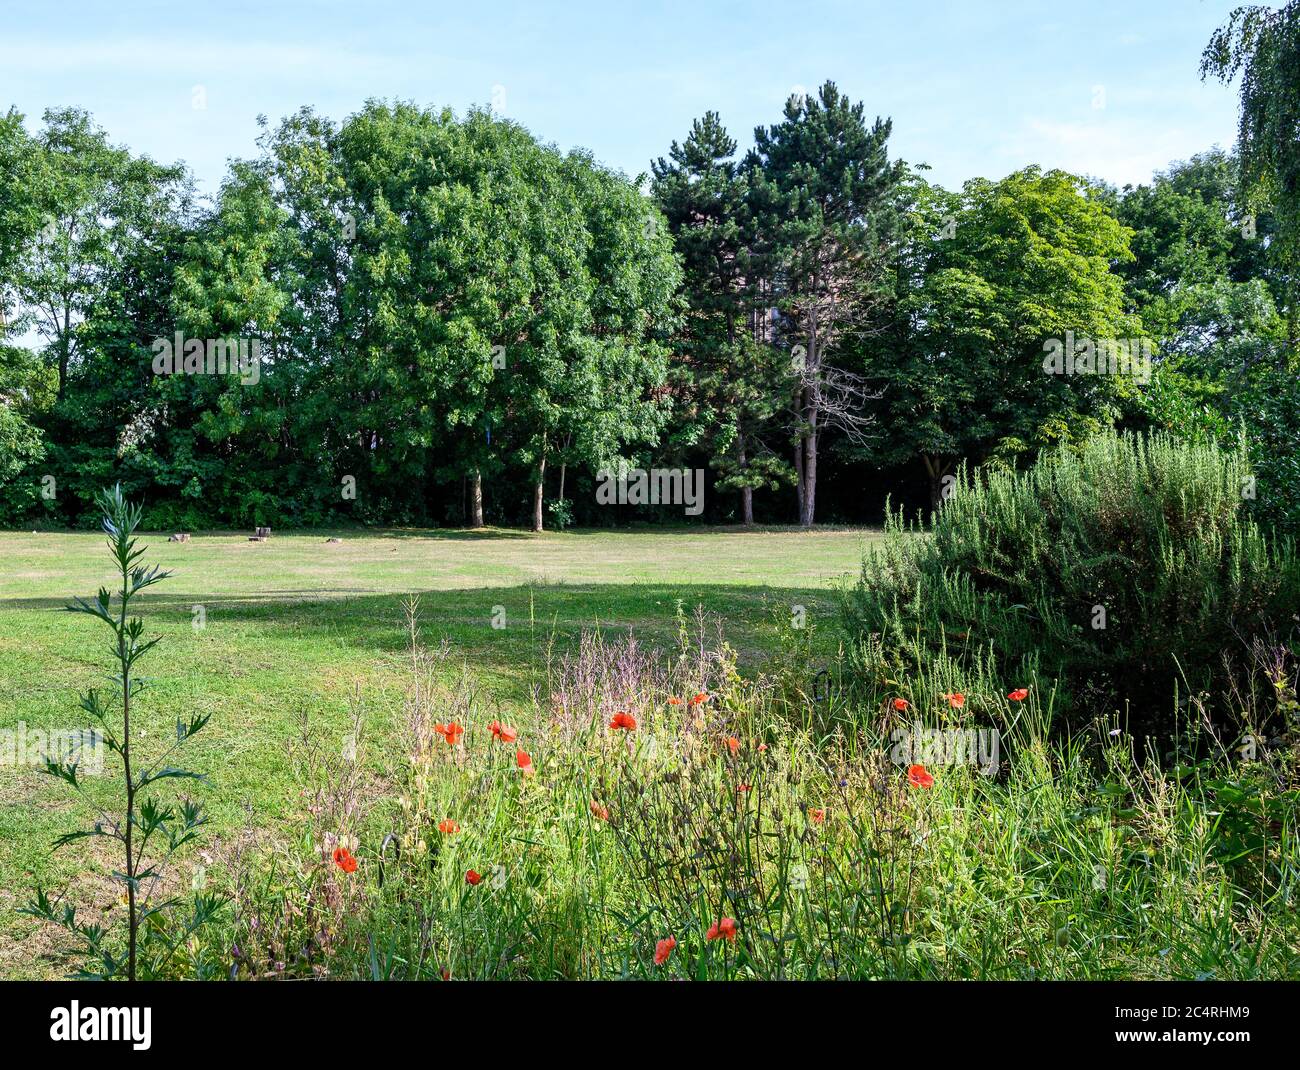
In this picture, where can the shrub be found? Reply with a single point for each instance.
(1112, 573)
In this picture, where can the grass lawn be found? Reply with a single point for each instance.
(293, 626)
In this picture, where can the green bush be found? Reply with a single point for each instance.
(1113, 573)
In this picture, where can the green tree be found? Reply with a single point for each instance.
(98, 203)
(1262, 45)
(729, 385)
(231, 447)
(1208, 284)
(823, 195)
(985, 280)
(21, 384)
(590, 366)
(440, 299)
(22, 388)
(20, 220)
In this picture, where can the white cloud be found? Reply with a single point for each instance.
(1119, 150)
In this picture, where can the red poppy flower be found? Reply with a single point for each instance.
(525, 762)
(900, 704)
(956, 700)
(446, 974)
(344, 860)
(762, 747)
(674, 701)
(733, 744)
(663, 949)
(744, 787)
(502, 732)
(917, 777)
(473, 876)
(448, 827)
(817, 814)
(624, 721)
(450, 732)
(724, 928)
(1019, 694)
(598, 811)
(698, 698)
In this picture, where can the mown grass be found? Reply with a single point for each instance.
(295, 629)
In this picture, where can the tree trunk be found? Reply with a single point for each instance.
(798, 474)
(798, 454)
(476, 500)
(805, 463)
(934, 468)
(65, 351)
(810, 475)
(808, 500)
(1293, 317)
(539, 489)
(746, 492)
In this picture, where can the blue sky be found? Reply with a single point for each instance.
(975, 87)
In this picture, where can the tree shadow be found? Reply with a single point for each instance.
(490, 533)
(484, 619)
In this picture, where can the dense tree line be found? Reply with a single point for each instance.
(454, 323)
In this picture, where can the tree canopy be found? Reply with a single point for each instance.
(443, 320)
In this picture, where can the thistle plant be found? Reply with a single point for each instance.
(143, 820)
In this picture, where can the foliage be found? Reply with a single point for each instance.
(1209, 283)
(1262, 45)
(1114, 573)
(449, 310)
(985, 278)
(822, 191)
(729, 384)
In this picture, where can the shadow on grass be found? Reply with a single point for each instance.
(487, 534)
(750, 616)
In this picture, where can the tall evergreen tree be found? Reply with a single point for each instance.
(823, 193)
(728, 382)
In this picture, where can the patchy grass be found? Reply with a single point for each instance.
(296, 628)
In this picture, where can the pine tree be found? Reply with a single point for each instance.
(822, 192)
(728, 385)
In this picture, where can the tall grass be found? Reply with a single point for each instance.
(1078, 859)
